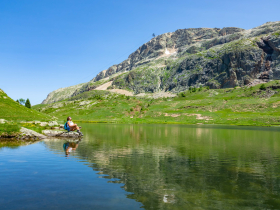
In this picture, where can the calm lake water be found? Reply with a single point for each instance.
(145, 166)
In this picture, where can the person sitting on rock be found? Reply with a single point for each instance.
(73, 126)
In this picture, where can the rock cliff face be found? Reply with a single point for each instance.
(157, 46)
(234, 59)
(218, 58)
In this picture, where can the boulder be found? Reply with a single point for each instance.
(43, 124)
(2, 121)
(52, 123)
(57, 133)
(30, 134)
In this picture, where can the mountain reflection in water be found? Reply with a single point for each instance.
(186, 167)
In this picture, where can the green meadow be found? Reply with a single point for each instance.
(255, 106)
(13, 112)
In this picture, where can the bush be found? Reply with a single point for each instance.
(182, 94)
(262, 87)
(207, 87)
(194, 89)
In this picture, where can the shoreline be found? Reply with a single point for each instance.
(170, 123)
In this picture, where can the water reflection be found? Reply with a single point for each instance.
(186, 167)
(13, 144)
(70, 146)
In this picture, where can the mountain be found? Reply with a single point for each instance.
(174, 62)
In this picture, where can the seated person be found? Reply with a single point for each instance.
(73, 126)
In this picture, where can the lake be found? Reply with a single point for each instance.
(119, 166)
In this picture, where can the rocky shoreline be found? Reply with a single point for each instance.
(26, 134)
(30, 135)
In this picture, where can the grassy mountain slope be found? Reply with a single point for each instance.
(61, 94)
(11, 110)
(258, 105)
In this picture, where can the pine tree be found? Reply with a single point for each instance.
(28, 104)
(17, 101)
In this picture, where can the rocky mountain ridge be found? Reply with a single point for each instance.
(218, 58)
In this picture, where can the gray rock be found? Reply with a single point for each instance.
(43, 124)
(52, 123)
(28, 134)
(56, 133)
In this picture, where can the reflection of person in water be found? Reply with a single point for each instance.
(70, 147)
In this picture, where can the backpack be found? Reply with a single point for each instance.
(66, 127)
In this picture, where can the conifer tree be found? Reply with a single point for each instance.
(28, 104)
(17, 101)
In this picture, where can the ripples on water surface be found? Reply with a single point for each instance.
(148, 166)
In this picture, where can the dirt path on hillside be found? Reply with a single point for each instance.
(104, 86)
(128, 93)
(120, 91)
(161, 94)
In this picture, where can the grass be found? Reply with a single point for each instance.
(11, 110)
(239, 106)
(7, 130)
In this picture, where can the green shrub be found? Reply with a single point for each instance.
(262, 87)
(182, 94)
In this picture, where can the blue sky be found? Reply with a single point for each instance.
(49, 44)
